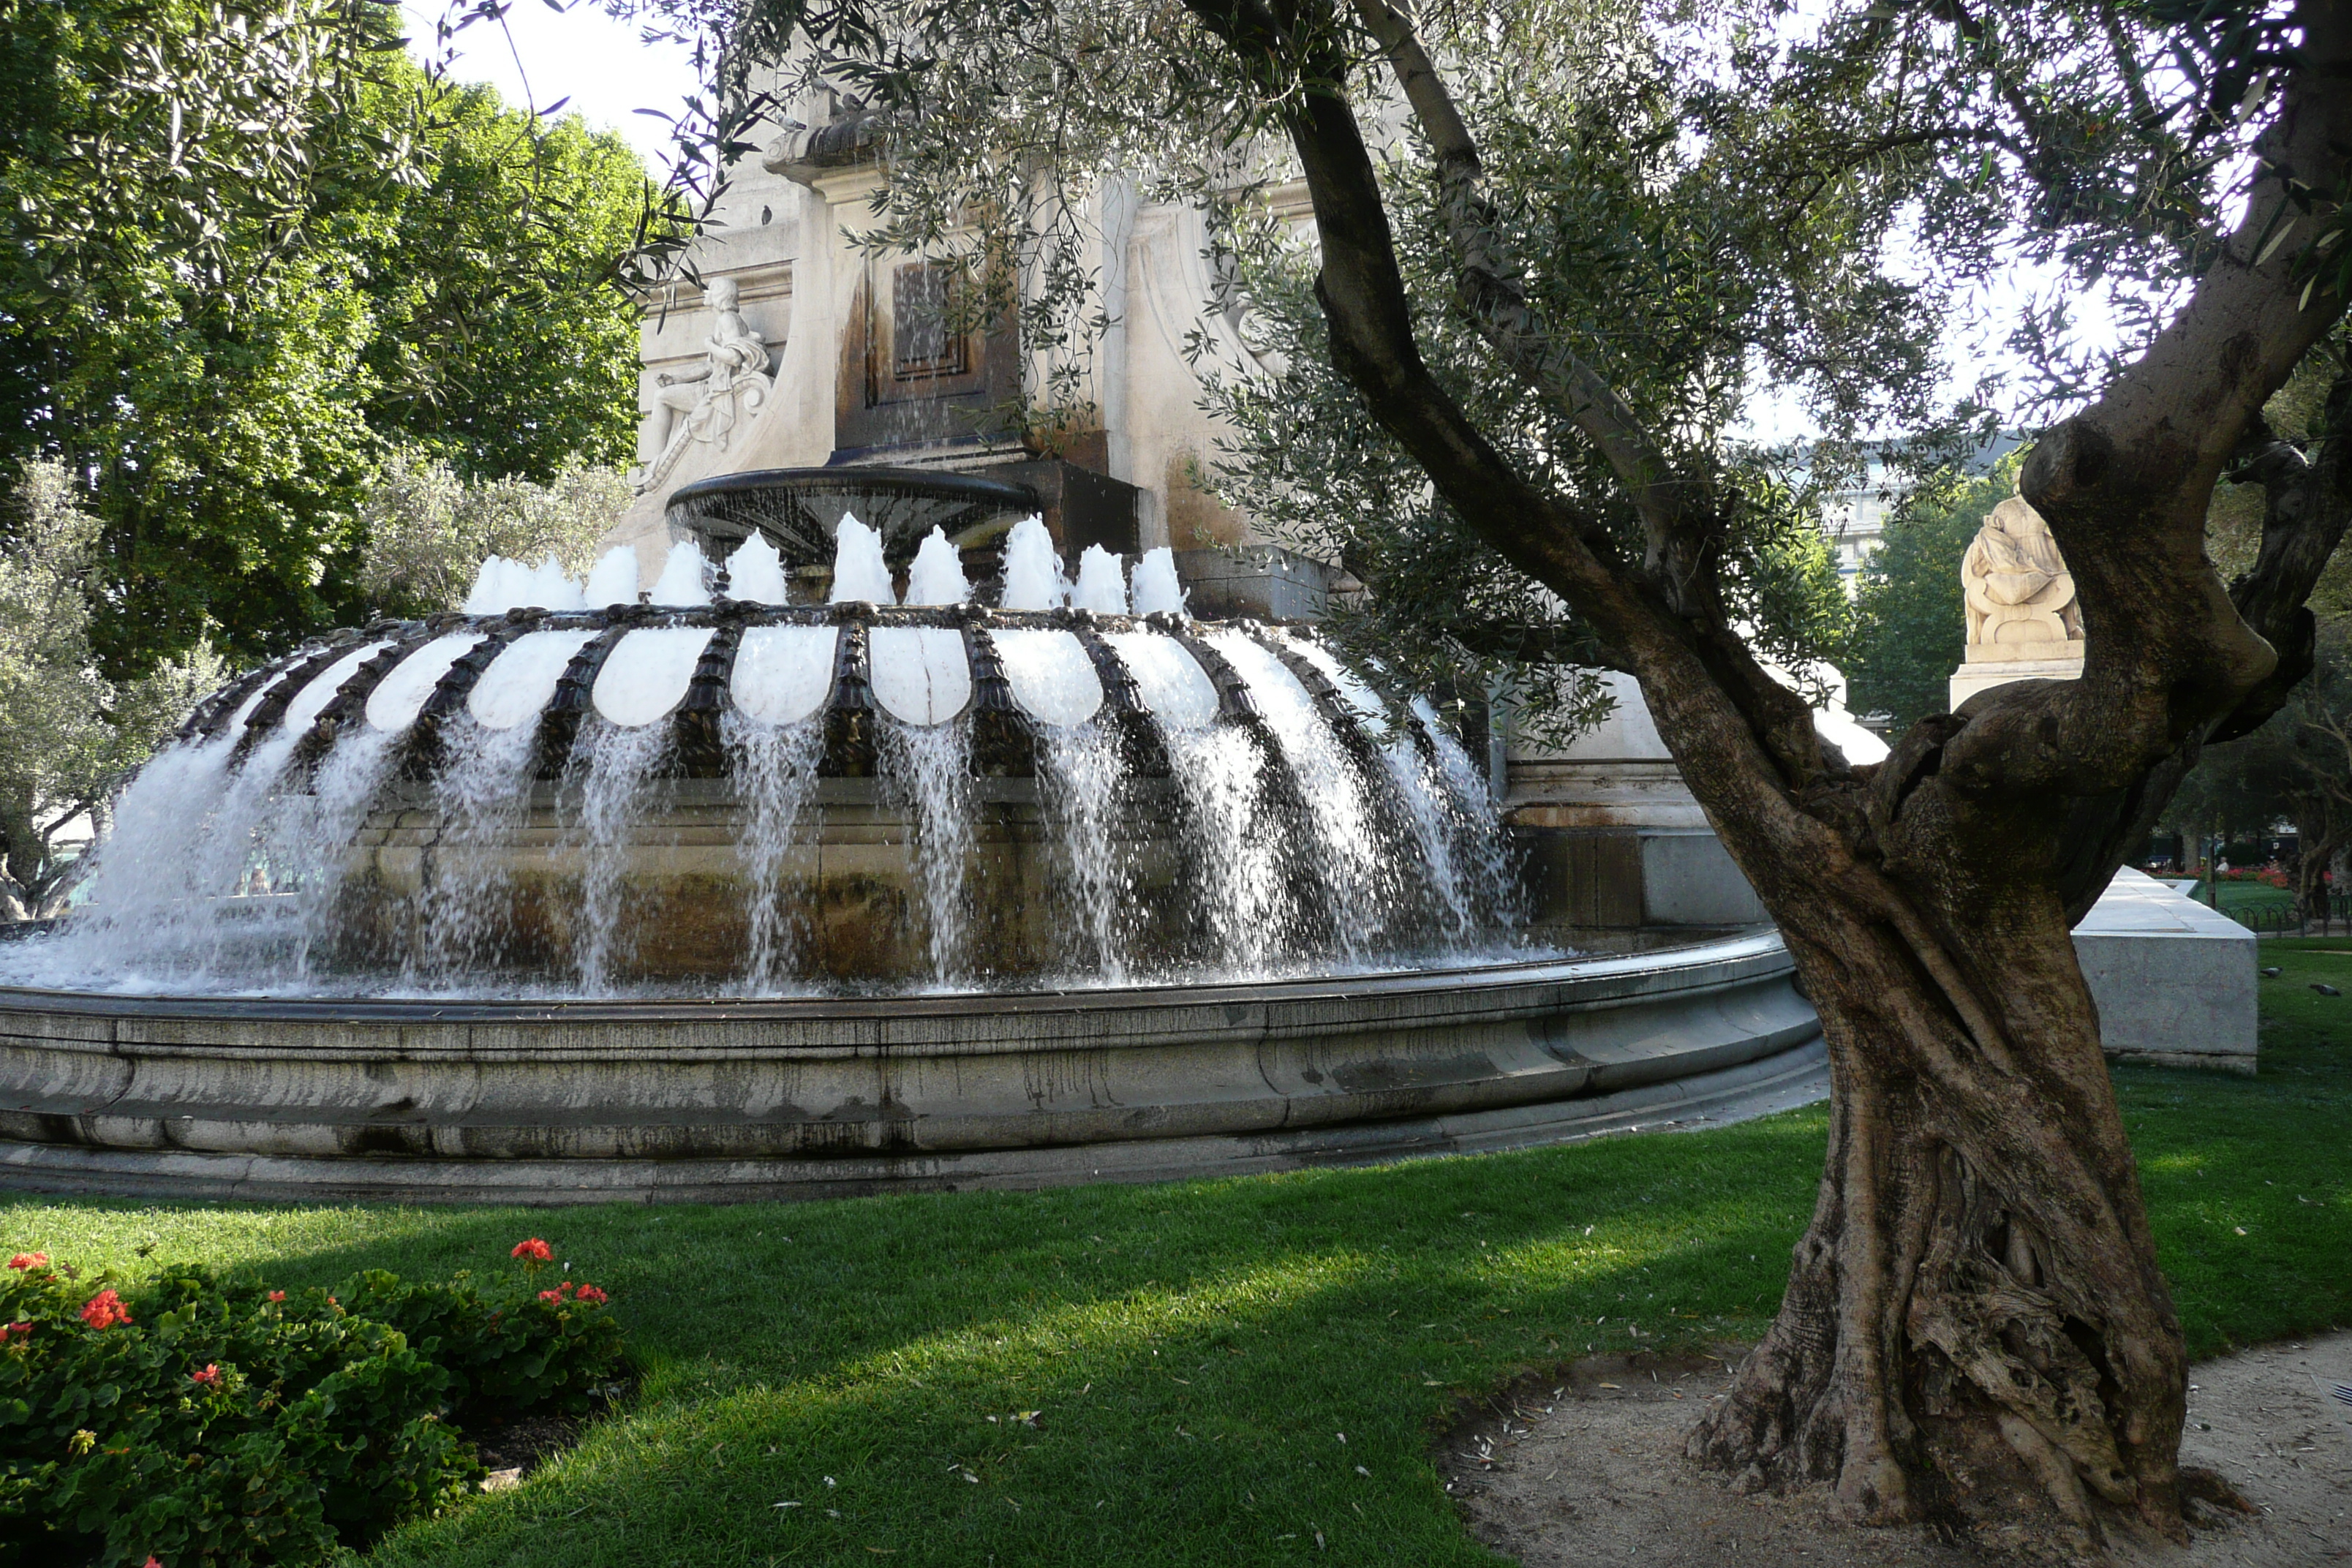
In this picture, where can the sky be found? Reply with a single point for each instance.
(598, 63)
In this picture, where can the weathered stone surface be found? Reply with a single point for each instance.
(342, 1097)
(2175, 982)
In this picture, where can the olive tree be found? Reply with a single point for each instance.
(428, 528)
(1554, 247)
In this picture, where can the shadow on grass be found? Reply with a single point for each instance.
(1192, 1351)
(1164, 1375)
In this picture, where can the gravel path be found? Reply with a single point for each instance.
(1589, 1472)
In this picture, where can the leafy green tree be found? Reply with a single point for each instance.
(175, 332)
(70, 735)
(250, 249)
(1625, 214)
(1910, 621)
(499, 339)
(428, 529)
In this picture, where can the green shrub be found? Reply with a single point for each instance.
(191, 1419)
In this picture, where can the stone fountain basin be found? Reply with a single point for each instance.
(591, 1101)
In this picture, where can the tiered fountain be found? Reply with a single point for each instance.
(769, 879)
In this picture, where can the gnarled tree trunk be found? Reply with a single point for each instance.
(1976, 1328)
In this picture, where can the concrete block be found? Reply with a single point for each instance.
(1262, 580)
(2175, 982)
(1688, 878)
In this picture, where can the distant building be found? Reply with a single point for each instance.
(1854, 517)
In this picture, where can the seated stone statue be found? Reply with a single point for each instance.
(2020, 597)
(703, 404)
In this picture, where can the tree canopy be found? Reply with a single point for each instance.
(252, 249)
(71, 736)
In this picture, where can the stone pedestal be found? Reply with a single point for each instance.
(2175, 982)
(1975, 675)
(1612, 836)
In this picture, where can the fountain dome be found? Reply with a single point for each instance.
(756, 880)
(741, 796)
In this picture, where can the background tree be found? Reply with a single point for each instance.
(1910, 628)
(2295, 769)
(430, 530)
(500, 340)
(71, 736)
(1975, 1313)
(250, 249)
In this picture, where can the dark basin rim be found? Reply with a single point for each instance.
(1743, 948)
(931, 481)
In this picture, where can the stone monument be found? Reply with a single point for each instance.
(2023, 622)
(705, 404)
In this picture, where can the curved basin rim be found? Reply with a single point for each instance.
(1755, 945)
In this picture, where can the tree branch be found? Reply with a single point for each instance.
(2306, 505)
(1492, 297)
(2125, 486)
(1681, 530)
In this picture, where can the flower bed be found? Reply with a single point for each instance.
(194, 1418)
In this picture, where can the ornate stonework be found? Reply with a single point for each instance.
(705, 404)
(2023, 622)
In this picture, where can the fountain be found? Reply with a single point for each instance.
(776, 876)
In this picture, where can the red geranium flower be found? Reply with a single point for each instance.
(104, 1311)
(29, 1260)
(206, 1374)
(590, 1293)
(151, 1563)
(551, 1295)
(533, 1251)
(277, 1295)
(22, 1330)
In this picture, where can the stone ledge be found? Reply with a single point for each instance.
(918, 1079)
(2242, 1063)
(1794, 1076)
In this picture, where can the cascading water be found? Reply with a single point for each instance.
(614, 784)
(1359, 884)
(303, 838)
(931, 764)
(1472, 820)
(1444, 803)
(775, 769)
(482, 793)
(1079, 778)
(696, 784)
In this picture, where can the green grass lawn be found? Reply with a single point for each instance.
(1193, 1353)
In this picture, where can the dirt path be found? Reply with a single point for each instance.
(1590, 1473)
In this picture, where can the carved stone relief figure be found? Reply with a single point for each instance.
(2020, 597)
(705, 404)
